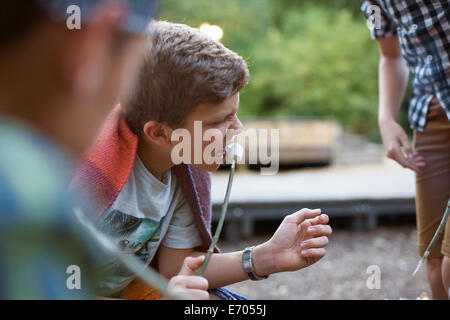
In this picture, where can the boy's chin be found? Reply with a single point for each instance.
(207, 167)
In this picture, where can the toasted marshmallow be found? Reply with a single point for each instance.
(235, 150)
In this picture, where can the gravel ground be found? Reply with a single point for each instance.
(342, 274)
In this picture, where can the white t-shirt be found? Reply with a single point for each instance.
(147, 213)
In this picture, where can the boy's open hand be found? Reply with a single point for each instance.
(394, 140)
(187, 283)
(300, 240)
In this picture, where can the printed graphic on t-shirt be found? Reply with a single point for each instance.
(138, 236)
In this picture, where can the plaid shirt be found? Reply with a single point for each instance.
(423, 29)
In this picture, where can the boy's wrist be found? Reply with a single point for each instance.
(263, 260)
(386, 119)
(388, 112)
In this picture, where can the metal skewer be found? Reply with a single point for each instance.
(434, 239)
(237, 152)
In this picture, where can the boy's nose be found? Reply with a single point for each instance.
(237, 126)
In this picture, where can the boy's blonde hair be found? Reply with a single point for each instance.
(183, 68)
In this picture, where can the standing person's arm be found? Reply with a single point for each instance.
(393, 79)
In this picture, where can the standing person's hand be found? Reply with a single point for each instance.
(187, 283)
(395, 139)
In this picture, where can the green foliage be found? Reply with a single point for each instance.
(308, 59)
(242, 20)
(319, 64)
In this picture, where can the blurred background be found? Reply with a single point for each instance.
(314, 76)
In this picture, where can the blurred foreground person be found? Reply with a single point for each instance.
(415, 36)
(63, 65)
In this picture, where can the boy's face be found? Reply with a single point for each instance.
(215, 123)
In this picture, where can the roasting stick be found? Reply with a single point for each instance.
(435, 238)
(237, 152)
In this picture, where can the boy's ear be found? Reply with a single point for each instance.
(85, 52)
(158, 133)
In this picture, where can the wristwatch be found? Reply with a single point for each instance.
(247, 263)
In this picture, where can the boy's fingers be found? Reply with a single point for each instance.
(302, 229)
(420, 164)
(412, 161)
(300, 216)
(193, 282)
(404, 141)
(191, 265)
(320, 242)
(397, 155)
(412, 166)
(193, 287)
(418, 157)
(322, 219)
(314, 253)
(304, 225)
(418, 160)
(320, 230)
(196, 294)
(185, 285)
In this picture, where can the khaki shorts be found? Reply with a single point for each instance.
(433, 182)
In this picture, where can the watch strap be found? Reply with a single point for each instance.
(247, 263)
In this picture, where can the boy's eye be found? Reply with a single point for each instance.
(229, 118)
(219, 122)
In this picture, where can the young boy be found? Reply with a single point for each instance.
(161, 211)
(56, 87)
(416, 35)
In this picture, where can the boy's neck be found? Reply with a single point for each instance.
(155, 159)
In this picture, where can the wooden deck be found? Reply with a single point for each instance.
(361, 192)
